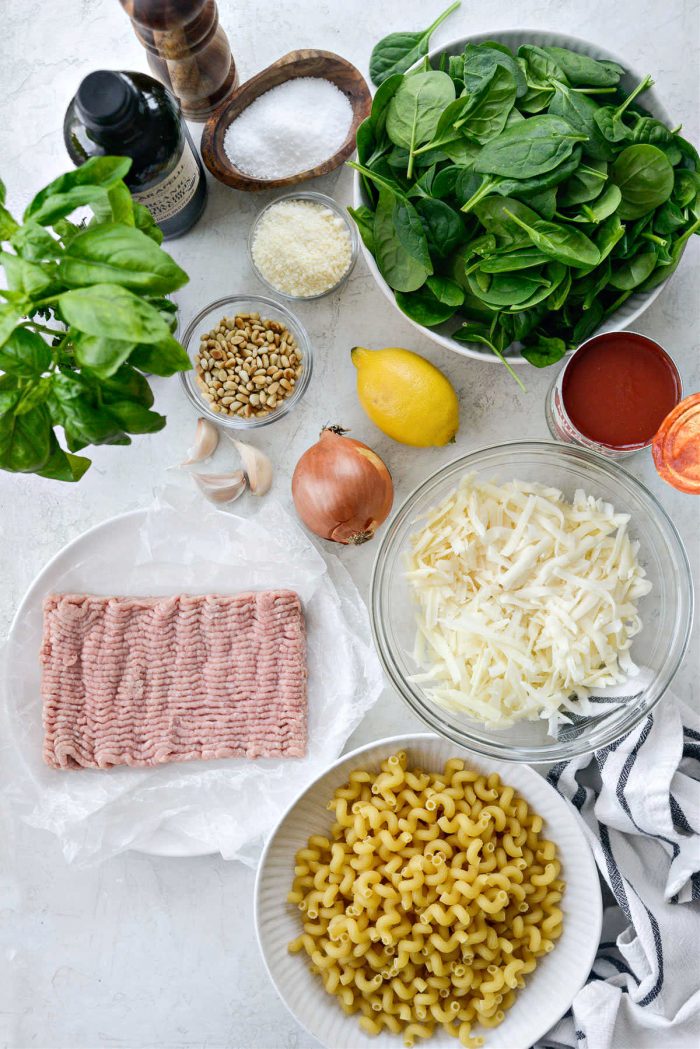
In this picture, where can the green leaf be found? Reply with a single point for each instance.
(10, 314)
(562, 243)
(113, 312)
(645, 179)
(67, 191)
(25, 440)
(122, 204)
(35, 243)
(134, 418)
(8, 226)
(401, 247)
(144, 221)
(29, 278)
(116, 254)
(528, 148)
(102, 356)
(446, 291)
(582, 71)
(540, 67)
(162, 358)
(72, 406)
(364, 220)
(480, 61)
(126, 384)
(444, 228)
(25, 354)
(62, 466)
(33, 393)
(541, 350)
(397, 52)
(415, 109)
(633, 272)
(509, 262)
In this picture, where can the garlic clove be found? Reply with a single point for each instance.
(206, 438)
(221, 488)
(257, 467)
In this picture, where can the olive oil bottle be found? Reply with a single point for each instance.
(133, 115)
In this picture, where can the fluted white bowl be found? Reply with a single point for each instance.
(549, 990)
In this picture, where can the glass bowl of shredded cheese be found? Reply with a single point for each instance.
(531, 601)
(303, 246)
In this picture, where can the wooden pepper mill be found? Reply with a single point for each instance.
(187, 50)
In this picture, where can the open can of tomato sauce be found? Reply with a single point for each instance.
(613, 394)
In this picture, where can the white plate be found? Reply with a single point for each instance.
(514, 38)
(188, 809)
(118, 535)
(550, 989)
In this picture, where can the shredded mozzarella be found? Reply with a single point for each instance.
(525, 602)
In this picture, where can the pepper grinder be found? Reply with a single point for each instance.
(187, 50)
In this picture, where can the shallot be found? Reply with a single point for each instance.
(342, 490)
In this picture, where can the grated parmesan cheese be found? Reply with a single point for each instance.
(526, 602)
(301, 248)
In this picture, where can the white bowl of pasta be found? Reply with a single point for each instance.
(427, 893)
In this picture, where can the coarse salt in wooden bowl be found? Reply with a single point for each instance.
(306, 63)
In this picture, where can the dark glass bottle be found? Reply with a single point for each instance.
(133, 115)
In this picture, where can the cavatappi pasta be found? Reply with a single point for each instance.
(430, 901)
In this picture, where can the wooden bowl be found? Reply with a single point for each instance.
(306, 63)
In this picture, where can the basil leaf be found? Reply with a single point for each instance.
(102, 356)
(72, 406)
(97, 174)
(25, 354)
(25, 440)
(144, 221)
(113, 312)
(10, 314)
(34, 243)
(116, 254)
(134, 418)
(397, 52)
(162, 358)
(62, 466)
(126, 384)
(29, 278)
(8, 226)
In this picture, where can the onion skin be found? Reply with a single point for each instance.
(342, 490)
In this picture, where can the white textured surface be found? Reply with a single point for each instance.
(549, 989)
(143, 953)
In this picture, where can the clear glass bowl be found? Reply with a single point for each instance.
(315, 198)
(208, 318)
(666, 612)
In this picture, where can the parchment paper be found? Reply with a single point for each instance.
(187, 546)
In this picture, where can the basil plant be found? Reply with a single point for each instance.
(83, 316)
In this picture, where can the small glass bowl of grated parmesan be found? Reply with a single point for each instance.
(303, 246)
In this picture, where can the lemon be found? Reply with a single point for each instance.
(407, 397)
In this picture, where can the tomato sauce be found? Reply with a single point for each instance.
(619, 388)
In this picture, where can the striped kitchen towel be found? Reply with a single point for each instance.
(639, 805)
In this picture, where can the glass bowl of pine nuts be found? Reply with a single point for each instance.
(251, 361)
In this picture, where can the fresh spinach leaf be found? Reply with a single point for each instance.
(397, 52)
(529, 148)
(582, 71)
(645, 179)
(542, 350)
(401, 248)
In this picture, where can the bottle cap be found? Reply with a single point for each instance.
(676, 447)
(104, 98)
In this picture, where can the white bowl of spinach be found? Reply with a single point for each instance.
(514, 197)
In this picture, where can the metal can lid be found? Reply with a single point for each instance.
(676, 446)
